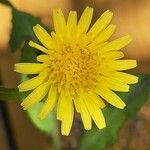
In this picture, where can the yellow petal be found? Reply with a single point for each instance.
(59, 22)
(112, 55)
(106, 34)
(76, 103)
(43, 36)
(124, 77)
(96, 114)
(60, 106)
(68, 115)
(31, 84)
(86, 118)
(34, 82)
(85, 21)
(95, 48)
(105, 69)
(101, 23)
(96, 99)
(57, 40)
(117, 44)
(71, 26)
(114, 84)
(37, 95)
(123, 64)
(110, 96)
(43, 58)
(38, 47)
(29, 68)
(49, 103)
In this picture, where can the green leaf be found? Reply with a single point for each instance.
(11, 94)
(48, 124)
(22, 28)
(98, 139)
(21, 33)
(28, 54)
(45, 125)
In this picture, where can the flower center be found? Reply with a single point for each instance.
(74, 68)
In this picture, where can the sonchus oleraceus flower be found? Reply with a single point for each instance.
(78, 68)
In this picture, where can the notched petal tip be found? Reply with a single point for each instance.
(108, 13)
(24, 108)
(88, 7)
(20, 88)
(57, 9)
(112, 26)
(16, 67)
(64, 133)
(136, 63)
(103, 106)
(136, 79)
(36, 26)
(122, 106)
(103, 125)
(31, 43)
(133, 63)
(128, 38)
(88, 128)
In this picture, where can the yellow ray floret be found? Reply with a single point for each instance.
(34, 82)
(29, 68)
(38, 47)
(78, 70)
(59, 23)
(43, 36)
(85, 21)
(110, 96)
(96, 114)
(117, 44)
(105, 35)
(67, 115)
(49, 103)
(85, 115)
(101, 23)
(37, 95)
(71, 27)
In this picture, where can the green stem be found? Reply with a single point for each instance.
(55, 134)
(11, 94)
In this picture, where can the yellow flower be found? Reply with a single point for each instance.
(79, 68)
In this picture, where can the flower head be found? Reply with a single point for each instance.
(78, 68)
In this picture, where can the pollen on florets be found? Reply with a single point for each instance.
(74, 67)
